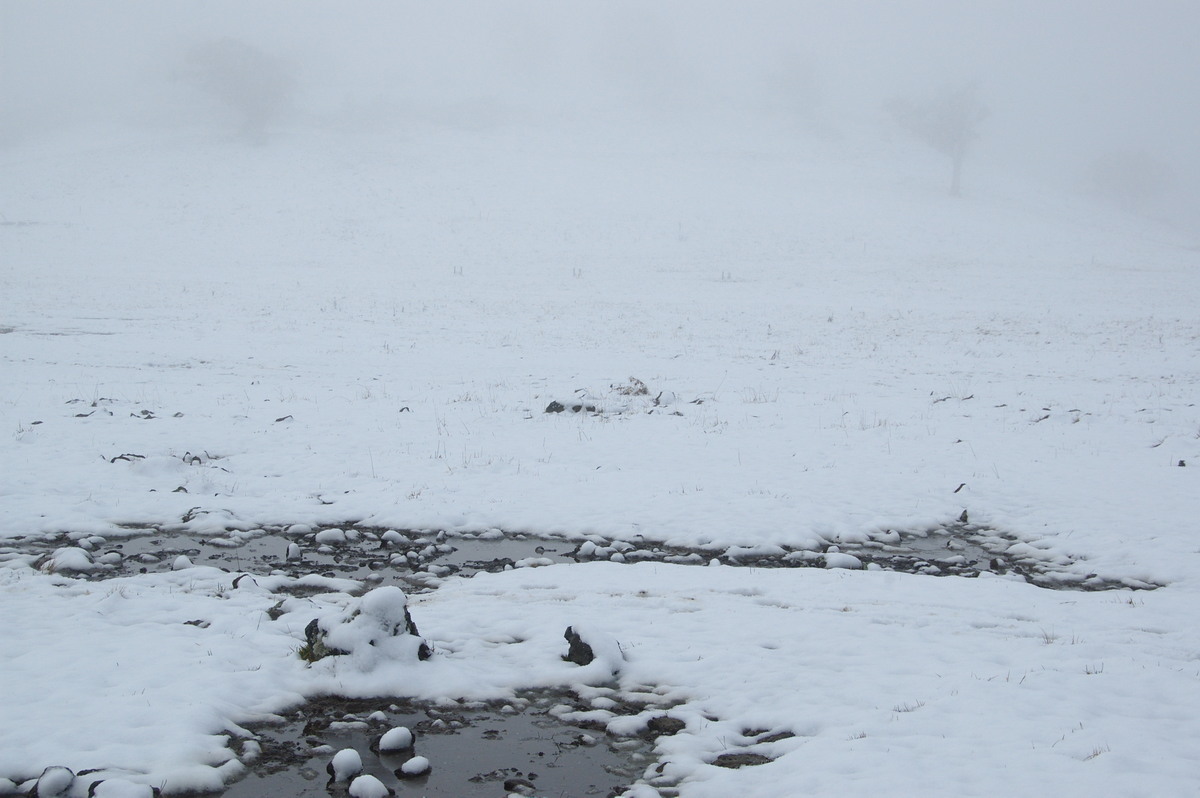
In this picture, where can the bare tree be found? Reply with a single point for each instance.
(949, 123)
(1135, 179)
(251, 87)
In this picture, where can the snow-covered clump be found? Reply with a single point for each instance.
(632, 396)
(838, 559)
(397, 739)
(593, 649)
(378, 629)
(415, 767)
(119, 788)
(330, 536)
(54, 781)
(69, 559)
(367, 786)
(345, 763)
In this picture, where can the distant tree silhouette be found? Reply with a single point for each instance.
(949, 123)
(254, 88)
(1132, 178)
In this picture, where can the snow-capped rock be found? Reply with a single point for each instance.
(367, 786)
(415, 767)
(54, 781)
(397, 739)
(344, 765)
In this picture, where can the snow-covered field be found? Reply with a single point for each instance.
(365, 327)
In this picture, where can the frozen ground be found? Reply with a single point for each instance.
(366, 328)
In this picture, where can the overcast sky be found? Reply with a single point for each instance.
(1064, 79)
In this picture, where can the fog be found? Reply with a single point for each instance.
(1076, 90)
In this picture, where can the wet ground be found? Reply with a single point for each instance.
(522, 747)
(419, 560)
(475, 750)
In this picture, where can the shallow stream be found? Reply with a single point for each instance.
(419, 560)
(475, 750)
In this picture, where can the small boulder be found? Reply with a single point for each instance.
(740, 760)
(414, 768)
(578, 651)
(665, 725)
(586, 645)
(367, 786)
(54, 781)
(397, 739)
(345, 764)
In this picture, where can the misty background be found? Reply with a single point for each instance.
(1093, 96)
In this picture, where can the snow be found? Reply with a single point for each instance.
(54, 781)
(837, 351)
(415, 766)
(837, 559)
(397, 739)
(345, 764)
(374, 629)
(70, 558)
(367, 786)
(118, 788)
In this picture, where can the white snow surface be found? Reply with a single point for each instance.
(397, 739)
(344, 328)
(367, 786)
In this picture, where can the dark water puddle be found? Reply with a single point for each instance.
(475, 750)
(419, 560)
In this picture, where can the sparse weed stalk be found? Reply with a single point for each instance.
(907, 707)
(1097, 751)
(759, 396)
(874, 422)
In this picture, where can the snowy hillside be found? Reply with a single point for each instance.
(779, 339)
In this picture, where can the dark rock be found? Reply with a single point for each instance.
(312, 632)
(409, 625)
(578, 651)
(962, 519)
(519, 786)
(555, 407)
(665, 725)
(741, 760)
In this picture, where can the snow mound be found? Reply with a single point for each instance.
(345, 763)
(367, 786)
(414, 767)
(69, 559)
(119, 788)
(378, 629)
(397, 739)
(837, 559)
